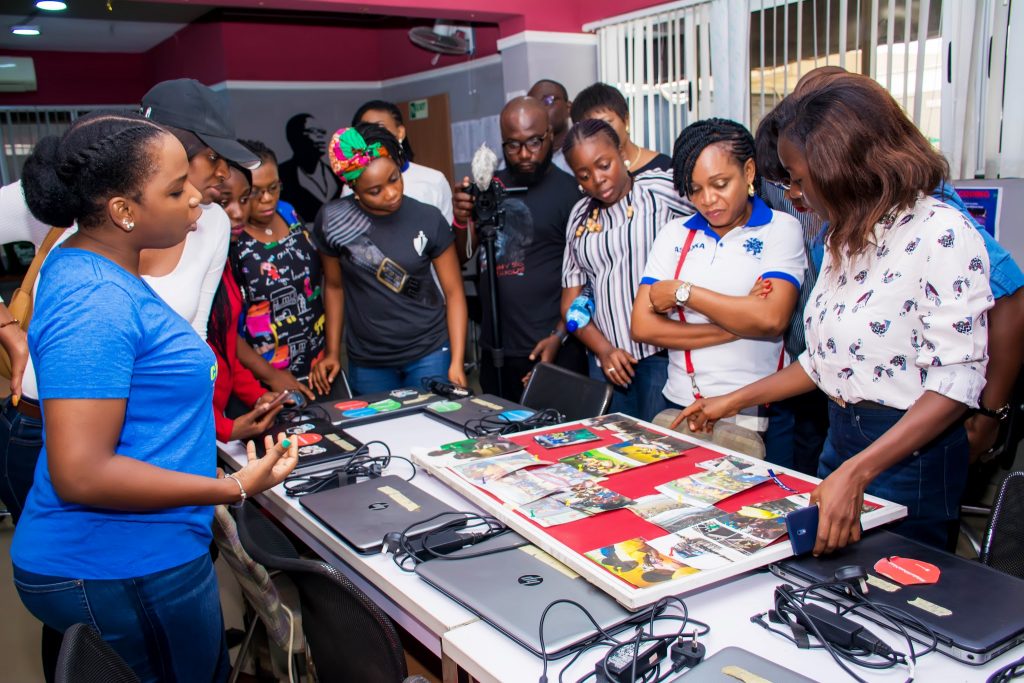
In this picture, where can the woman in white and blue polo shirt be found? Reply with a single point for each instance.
(730, 274)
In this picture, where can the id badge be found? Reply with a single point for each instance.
(392, 275)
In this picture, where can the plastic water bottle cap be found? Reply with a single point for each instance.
(572, 326)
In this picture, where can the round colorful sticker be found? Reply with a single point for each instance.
(308, 439)
(350, 405)
(445, 407)
(359, 412)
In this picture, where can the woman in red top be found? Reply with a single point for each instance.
(233, 378)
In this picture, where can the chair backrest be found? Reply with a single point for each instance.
(349, 637)
(1011, 431)
(86, 658)
(574, 395)
(256, 584)
(1003, 548)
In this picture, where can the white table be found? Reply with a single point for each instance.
(489, 656)
(422, 610)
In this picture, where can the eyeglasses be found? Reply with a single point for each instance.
(551, 99)
(273, 190)
(784, 186)
(533, 144)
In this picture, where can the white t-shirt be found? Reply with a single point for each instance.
(189, 288)
(426, 185)
(770, 245)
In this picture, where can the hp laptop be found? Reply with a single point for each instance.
(361, 514)
(973, 609)
(510, 588)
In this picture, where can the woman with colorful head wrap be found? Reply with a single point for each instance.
(380, 250)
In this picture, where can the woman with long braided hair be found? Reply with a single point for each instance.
(720, 287)
(609, 235)
(116, 529)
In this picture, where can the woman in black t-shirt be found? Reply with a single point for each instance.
(605, 102)
(380, 251)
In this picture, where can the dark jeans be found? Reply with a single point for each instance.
(167, 625)
(930, 481)
(21, 439)
(366, 379)
(572, 356)
(809, 415)
(642, 398)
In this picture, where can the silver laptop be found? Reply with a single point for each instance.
(978, 614)
(361, 514)
(711, 669)
(510, 588)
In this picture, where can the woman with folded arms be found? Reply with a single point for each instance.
(896, 323)
(695, 298)
(610, 233)
(116, 529)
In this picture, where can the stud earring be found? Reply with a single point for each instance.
(750, 190)
(129, 225)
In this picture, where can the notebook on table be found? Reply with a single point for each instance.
(510, 588)
(974, 610)
(362, 514)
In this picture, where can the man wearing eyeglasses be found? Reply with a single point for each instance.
(556, 98)
(529, 252)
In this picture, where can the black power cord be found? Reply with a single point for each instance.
(409, 549)
(817, 610)
(1008, 673)
(359, 465)
(501, 424)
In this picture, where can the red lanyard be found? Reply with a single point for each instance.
(686, 352)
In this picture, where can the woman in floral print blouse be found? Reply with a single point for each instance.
(896, 324)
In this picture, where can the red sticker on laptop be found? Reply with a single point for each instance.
(906, 571)
(308, 439)
(350, 405)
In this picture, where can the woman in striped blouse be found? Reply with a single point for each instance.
(609, 235)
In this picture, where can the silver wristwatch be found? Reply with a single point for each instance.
(683, 293)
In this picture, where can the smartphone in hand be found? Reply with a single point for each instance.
(802, 526)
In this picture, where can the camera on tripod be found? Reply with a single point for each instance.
(487, 204)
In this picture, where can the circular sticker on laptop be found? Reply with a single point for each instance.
(359, 412)
(386, 406)
(308, 439)
(516, 415)
(445, 407)
(350, 405)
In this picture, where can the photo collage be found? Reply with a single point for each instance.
(699, 536)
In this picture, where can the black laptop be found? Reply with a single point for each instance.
(977, 612)
(472, 411)
(319, 440)
(362, 514)
(379, 406)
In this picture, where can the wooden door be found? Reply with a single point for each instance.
(430, 132)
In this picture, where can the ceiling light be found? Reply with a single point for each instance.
(25, 30)
(51, 5)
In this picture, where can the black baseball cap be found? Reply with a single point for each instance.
(188, 104)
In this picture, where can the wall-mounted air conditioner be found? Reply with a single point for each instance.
(17, 74)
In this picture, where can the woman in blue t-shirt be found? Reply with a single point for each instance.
(380, 252)
(116, 529)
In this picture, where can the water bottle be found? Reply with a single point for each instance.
(581, 310)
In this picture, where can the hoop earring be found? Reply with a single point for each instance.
(750, 190)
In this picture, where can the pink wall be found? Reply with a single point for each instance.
(71, 78)
(196, 51)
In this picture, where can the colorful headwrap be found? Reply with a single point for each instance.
(350, 155)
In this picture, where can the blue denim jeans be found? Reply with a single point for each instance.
(21, 439)
(365, 379)
(930, 481)
(642, 398)
(167, 626)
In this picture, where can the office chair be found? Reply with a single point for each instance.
(1000, 456)
(86, 658)
(573, 395)
(273, 600)
(349, 637)
(1003, 548)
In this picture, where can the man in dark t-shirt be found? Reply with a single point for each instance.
(529, 253)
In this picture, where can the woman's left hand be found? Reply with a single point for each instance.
(839, 499)
(457, 374)
(663, 295)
